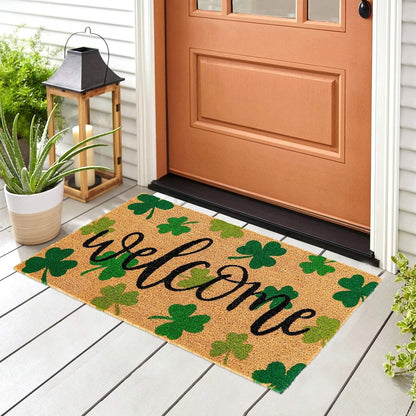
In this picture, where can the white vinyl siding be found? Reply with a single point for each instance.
(407, 217)
(115, 22)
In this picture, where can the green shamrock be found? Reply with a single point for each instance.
(355, 292)
(97, 226)
(276, 376)
(271, 291)
(234, 344)
(53, 262)
(112, 266)
(198, 277)
(176, 226)
(227, 230)
(261, 256)
(324, 330)
(113, 295)
(318, 264)
(181, 318)
(149, 203)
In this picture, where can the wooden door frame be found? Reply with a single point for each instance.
(385, 136)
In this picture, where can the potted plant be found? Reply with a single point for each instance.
(404, 361)
(25, 64)
(34, 193)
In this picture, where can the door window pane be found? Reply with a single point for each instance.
(324, 10)
(211, 5)
(276, 8)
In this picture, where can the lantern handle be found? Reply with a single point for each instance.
(94, 34)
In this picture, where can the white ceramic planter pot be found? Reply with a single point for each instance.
(36, 218)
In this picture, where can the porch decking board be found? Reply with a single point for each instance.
(154, 387)
(69, 361)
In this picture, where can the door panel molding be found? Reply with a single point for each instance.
(321, 134)
(385, 116)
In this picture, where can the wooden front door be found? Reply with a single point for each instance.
(272, 99)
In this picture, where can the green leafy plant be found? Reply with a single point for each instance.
(114, 295)
(227, 230)
(176, 226)
(53, 262)
(260, 256)
(318, 264)
(149, 203)
(356, 290)
(235, 343)
(34, 178)
(271, 291)
(324, 330)
(96, 227)
(404, 304)
(25, 64)
(197, 277)
(181, 320)
(276, 377)
(112, 266)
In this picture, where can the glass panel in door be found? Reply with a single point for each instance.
(324, 10)
(276, 8)
(211, 5)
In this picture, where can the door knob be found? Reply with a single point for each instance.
(364, 9)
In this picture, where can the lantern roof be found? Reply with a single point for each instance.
(82, 70)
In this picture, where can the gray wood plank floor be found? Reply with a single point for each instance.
(61, 357)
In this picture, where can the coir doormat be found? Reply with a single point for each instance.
(258, 307)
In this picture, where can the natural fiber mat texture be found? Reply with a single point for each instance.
(258, 307)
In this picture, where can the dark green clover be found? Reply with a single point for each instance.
(227, 230)
(260, 256)
(324, 330)
(96, 227)
(53, 262)
(276, 377)
(181, 320)
(355, 292)
(318, 264)
(149, 203)
(114, 295)
(235, 343)
(112, 267)
(271, 291)
(176, 226)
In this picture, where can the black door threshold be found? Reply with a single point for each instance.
(342, 240)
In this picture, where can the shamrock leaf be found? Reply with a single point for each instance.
(275, 375)
(261, 256)
(97, 226)
(324, 330)
(234, 344)
(149, 203)
(227, 230)
(355, 292)
(198, 277)
(176, 226)
(181, 318)
(271, 291)
(53, 262)
(112, 266)
(318, 264)
(113, 295)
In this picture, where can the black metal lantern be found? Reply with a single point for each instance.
(83, 75)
